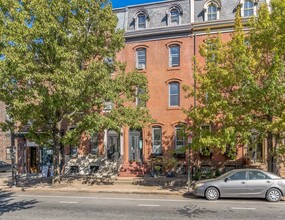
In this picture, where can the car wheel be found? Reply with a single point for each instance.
(212, 193)
(273, 195)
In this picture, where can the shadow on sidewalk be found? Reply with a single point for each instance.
(172, 184)
(7, 203)
(30, 182)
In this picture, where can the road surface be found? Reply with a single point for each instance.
(69, 206)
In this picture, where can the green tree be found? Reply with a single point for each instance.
(240, 89)
(57, 60)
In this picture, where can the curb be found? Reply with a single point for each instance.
(155, 192)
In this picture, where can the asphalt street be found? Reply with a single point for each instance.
(27, 205)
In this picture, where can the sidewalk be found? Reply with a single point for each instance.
(122, 185)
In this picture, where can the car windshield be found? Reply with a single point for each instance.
(224, 175)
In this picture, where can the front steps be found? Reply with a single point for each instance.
(132, 170)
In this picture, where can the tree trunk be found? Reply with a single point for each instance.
(271, 163)
(56, 150)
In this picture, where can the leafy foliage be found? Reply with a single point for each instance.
(56, 69)
(240, 89)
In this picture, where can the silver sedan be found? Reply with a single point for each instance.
(242, 183)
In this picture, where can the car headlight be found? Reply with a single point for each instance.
(199, 185)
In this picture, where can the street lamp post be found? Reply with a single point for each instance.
(189, 170)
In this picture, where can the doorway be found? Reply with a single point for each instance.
(33, 160)
(113, 145)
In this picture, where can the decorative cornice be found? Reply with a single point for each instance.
(215, 24)
(159, 31)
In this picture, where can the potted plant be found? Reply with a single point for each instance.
(169, 165)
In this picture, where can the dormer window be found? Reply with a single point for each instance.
(248, 9)
(174, 13)
(212, 10)
(174, 17)
(141, 19)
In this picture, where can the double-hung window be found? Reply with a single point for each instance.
(141, 19)
(212, 12)
(174, 55)
(141, 58)
(156, 140)
(180, 138)
(174, 94)
(248, 9)
(174, 17)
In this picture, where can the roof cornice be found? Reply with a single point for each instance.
(159, 31)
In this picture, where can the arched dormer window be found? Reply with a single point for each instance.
(248, 8)
(212, 10)
(174, 14)
(141, 18)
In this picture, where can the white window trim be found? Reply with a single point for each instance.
(170, 20)
(217, 3)
(170, 57)
(175, 138)
(169, 94)
(152, 139)
(137, 60)
(242, 7)
(137, 21)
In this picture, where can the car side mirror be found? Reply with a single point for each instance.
(226, 179)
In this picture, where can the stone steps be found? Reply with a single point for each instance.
(131, 170)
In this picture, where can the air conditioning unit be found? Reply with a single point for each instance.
(141, 66)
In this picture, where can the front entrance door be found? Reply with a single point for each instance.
(113, 145)
(135, 145)
(33, 160)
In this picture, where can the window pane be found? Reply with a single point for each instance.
(174, 14)
(174, 56)
(141, 58)
(257, 175)
(180, 138)
(156, 140)
(174, 94)
(248, 8)
(141, 21)
(212, 12)
(238, 176)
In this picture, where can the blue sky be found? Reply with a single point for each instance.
(123, 3)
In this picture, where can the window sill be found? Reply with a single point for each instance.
(173, 68)
(173, 108)
(141, 71)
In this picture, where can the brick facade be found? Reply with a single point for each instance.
(156, 39)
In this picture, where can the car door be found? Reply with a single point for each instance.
(235, 185)
(258, 183)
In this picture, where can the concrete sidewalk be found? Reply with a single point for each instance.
(124, 186)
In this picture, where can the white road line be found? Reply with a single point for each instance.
(241, 208)
(104, 198)
(148, 205)
(157, 200)
(66, 202)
